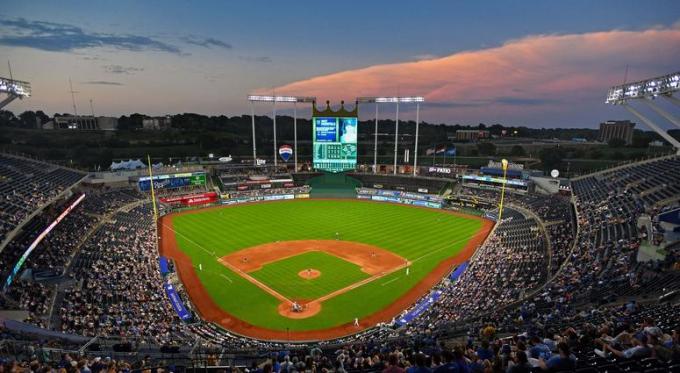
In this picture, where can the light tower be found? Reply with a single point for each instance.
(383, 100)
(274, 100)
(13, 89)
(646, 91)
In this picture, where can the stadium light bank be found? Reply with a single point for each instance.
(274, 99)
(647, 91)
(14, 89)
(396, 100)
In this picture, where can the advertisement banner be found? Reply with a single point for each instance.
(459, 271)
(191, 199)
(302, 195)
(176, 302)
(285, 151)
(419, 308)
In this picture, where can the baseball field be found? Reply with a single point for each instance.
(312, 269)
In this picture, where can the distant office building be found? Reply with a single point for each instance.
(617, 129)
(471, 135)
(157, 123)
(83, 122)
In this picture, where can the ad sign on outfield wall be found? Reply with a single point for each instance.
(191, 199)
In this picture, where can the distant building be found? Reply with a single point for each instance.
(471, 135)
(157, 123)
(617, 129)
(83, 123)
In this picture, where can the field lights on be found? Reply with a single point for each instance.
(15, 87)
(260, 98)
(395, 99)
(38, 239)
(650, 88)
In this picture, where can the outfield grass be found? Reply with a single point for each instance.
(425, 237)
(336, 273)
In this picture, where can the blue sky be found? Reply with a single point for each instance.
(163, 57)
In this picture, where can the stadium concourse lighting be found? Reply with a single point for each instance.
(274, 99)
(396, 100)
(646, 91)
(13, 89)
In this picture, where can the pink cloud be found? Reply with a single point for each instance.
(532, 80)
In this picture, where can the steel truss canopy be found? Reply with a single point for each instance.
(649, 88)
(15, 87)
(260, 98)
(393, 99)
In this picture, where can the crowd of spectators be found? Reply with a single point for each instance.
(305, 189)
(119, 291)
(627, 337)
(53, 255)
(551, 306)
(26, 185)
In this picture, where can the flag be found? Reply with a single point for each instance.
(451, 151)
(441, 149)
(429, 151)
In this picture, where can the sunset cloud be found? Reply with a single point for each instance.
(524, 81)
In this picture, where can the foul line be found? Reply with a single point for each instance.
(390, 281)
(360, 283)
(255, 281)
(190, 240)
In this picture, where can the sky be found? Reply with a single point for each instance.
(532, 63)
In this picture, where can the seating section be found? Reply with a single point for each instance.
(557, 282)
(25, 185)
(119, 289)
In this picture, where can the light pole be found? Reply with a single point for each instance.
(396, 139)
(384, 100)
(415, 151)
(648, 89)
(275, 155)
(375, 142)
(295, 133)
(274, 100)
(252, 116)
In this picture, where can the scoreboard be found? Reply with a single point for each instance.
(335, 143)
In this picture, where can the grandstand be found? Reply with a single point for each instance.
(556, 271)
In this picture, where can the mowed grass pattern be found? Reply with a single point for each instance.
(425, 237)
(282, 276)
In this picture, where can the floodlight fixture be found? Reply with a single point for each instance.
(646, 91)
(393, 99)
(664, 85)
(264, 98)
(15, 87)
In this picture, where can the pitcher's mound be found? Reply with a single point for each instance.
(309, 274)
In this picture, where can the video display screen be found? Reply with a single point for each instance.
(335, 143)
